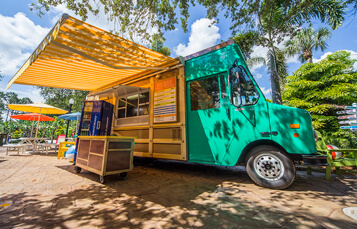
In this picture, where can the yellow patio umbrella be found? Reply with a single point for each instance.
(40, 108)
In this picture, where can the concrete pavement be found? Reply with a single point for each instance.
(39, 191)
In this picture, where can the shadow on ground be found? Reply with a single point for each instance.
(173, 194)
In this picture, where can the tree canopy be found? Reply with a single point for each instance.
(275, 20)
(11, 98)
(246, 41)
(60, 98)
(322, 88)
(157, 44)
(133, 18)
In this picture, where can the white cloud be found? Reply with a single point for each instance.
(18, 38)
(203, 35)
(353, 56)
(258, 51)
(266, 92)
(314, 60)
(258, 76)
(293, 59)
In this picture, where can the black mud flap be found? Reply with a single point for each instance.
(315, 159)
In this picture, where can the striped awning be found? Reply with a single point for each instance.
(76, 55)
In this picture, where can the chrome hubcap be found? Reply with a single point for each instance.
(268, 167)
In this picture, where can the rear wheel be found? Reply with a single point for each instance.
(268, 167)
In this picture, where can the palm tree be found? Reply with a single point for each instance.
(276, 20)
(305, 41)
(274, 64)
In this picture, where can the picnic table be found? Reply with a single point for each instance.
(33, 141)
(14, 147)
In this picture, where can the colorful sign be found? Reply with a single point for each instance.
(348, 127)
(347, 117)
(347, 112)
(348, 122)
(351, 107)
(165, 106)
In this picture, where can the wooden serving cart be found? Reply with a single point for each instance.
(105, 155)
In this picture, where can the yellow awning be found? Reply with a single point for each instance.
(37, 108)
(76, 55)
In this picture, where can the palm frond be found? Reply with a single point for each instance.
(256, 61)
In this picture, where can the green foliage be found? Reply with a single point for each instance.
(21, 128)
(157, 44)
(322, 89)
(15, 134)
(276, 19)
(246, 41)
(307, 40)
(60, 98)
(134, 18)
(11, 98)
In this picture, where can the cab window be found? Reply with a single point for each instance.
(243, 91)
(204, 94)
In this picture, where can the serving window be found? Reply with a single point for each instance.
(133, 109)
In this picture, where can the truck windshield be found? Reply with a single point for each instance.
(243, 91)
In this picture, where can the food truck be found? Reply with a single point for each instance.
(202, 108)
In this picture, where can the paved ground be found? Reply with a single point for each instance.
(38, 191)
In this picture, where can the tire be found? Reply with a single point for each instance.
(270, 168)
(123, 175)
(78, 169)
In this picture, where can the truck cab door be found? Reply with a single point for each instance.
(250, 118)
(209, 126)
(225, 113)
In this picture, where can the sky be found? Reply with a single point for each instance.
(21, 31)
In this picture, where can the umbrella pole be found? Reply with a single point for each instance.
(76, 126)
(35, 142)
(33, 121)
(38, 123)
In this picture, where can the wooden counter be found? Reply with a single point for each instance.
(105, 155)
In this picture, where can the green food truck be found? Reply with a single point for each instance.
(209, 109)
(202, 108)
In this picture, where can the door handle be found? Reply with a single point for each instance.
(269, 133)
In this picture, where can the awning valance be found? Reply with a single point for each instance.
(76, 55)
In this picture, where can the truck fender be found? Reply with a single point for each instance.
(250, 146)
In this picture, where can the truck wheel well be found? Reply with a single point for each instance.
(250, 146)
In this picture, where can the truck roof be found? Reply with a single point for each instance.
(210, 49)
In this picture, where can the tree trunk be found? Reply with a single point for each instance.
(274, 79)
(7, 115)
(308, 56)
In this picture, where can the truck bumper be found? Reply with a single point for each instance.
(315, 160)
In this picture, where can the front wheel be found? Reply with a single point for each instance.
(268, 167)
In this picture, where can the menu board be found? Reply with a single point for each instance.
(165, 107)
